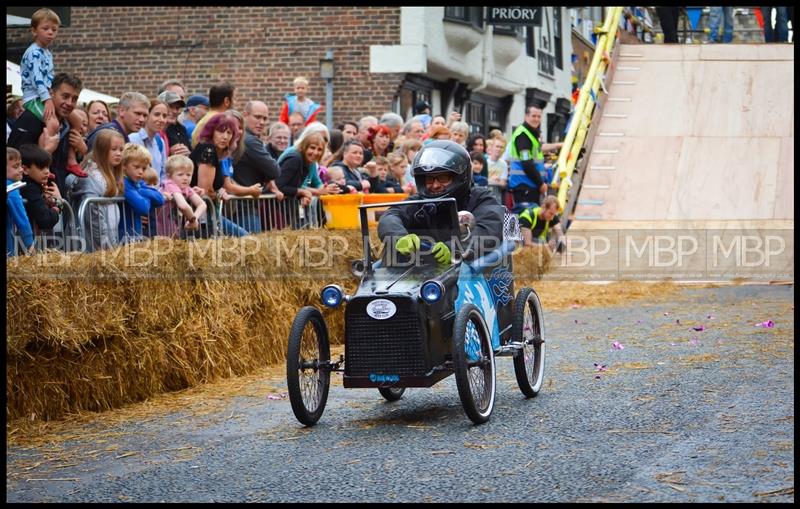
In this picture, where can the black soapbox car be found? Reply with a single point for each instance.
(413, 322)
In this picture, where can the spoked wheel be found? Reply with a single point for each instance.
(528, 329)
(473, 362)
(308, 348)
(392, 393)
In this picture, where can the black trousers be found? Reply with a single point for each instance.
(668, 16)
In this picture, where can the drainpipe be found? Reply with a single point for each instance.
(488, 43)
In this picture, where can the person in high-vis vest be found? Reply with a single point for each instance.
(537, 222)
(526, 170)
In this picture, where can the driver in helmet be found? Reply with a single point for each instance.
(443, 169)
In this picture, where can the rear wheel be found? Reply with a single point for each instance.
(473, 362)
(308, 382)
(392, 393)
(528, 329)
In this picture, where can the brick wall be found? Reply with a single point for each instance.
(258, 49)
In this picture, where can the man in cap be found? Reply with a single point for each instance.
(175, 134)
(196, 108)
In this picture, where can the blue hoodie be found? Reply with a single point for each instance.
(16, 216)
(139, 201)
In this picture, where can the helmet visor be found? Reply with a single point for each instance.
(433, 160)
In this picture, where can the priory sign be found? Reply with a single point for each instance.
(514, 16)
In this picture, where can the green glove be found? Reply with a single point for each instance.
(407, 244)
(441, 253)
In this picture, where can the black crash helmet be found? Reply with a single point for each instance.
(444, 156)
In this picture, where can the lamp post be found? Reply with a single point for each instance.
(326, 70)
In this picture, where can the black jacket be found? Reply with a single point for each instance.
(434, 222)
(39, 214)
(256, 165)
(390, 185)
(293, 173)
(27, 129)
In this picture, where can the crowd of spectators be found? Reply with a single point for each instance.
(169, 152)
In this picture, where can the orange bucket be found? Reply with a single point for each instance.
(341, 211)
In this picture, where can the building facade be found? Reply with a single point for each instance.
(385, 58)
(451, 58)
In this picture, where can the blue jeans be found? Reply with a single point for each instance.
(228, 227)
(714, 18)
(781, 31)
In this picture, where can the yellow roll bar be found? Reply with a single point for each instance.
(582, 115)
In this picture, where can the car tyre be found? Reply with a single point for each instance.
(473, 363)
(528, 329)
(308, 376)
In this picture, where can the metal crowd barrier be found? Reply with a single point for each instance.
(266, 213)
(63, 236)
(165, 221)
(241, 215)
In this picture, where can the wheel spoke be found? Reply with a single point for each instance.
(310, 383)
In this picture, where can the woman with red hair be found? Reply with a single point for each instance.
(379, 139)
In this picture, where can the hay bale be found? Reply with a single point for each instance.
(95, 331)
(160, 315)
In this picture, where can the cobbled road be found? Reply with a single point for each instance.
(676, 415)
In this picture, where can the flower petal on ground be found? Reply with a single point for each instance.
(699, 328)
(616, 345)
(768, 324)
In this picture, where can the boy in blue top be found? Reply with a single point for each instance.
(36, 73)
(17, 217)
(140, 199)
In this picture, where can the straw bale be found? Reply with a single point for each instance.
(95, 331)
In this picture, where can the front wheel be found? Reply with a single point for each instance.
(528, 329)
(392, 393)
(473, 362)
(307, 374)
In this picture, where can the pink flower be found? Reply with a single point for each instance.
(616, 345)
(700, 328)
(600, 367)
(768, 324)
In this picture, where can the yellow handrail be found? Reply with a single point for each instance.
(582, 116)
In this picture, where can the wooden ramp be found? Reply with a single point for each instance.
(694, 132)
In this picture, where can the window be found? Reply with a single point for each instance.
(485, 112)
(469, 15)
(530, 42)
(557, 37)
(414, 89)
(556, 125)
(475, 117)
(517, 31)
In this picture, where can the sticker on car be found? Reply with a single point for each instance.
(381, 309)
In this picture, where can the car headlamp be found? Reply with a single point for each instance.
(431, 291)
(332, 296)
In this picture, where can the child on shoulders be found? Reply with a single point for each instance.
(299, 102)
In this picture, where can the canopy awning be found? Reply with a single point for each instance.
(13, 78)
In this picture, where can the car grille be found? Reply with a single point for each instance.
(394, 346)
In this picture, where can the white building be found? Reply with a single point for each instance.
(454, 60)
